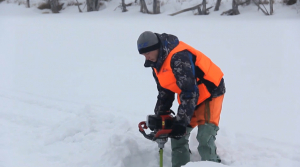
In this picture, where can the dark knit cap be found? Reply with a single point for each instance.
(147, 42)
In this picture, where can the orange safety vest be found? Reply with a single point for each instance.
(211, 71)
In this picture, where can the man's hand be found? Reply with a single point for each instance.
(178, 131)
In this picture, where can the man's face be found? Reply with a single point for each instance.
(152, 56)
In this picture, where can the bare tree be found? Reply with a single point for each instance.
(156, 6)
(204, 12)
(144, 8)
(218, 3)
(264, 10)
(78, 6)
(235, 7)
(271, 7)
(28, 3)
(124, 6)
(248, 2)
(92, 5)
(54, 6)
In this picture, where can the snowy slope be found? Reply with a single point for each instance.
(73, 87)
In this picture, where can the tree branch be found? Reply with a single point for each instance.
(185, 10)
(126, 5)
(78, 6)
(266, 13)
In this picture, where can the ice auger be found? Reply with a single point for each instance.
(161, 126)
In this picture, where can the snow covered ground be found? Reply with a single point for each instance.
(73, 87)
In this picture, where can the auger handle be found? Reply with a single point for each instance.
(142, 126)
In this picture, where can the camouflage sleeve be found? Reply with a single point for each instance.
(184, 72)
(165, 98)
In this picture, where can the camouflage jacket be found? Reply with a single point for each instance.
(185, 79)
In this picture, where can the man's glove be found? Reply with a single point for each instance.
(178, 131)
(165, 112)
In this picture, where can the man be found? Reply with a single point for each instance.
(198, 82)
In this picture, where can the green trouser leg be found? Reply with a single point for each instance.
(206, 137)
(180, 150)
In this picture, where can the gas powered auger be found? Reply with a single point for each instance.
(161, 126)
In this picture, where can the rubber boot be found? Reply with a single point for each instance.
(206, 137)
(180, 150)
